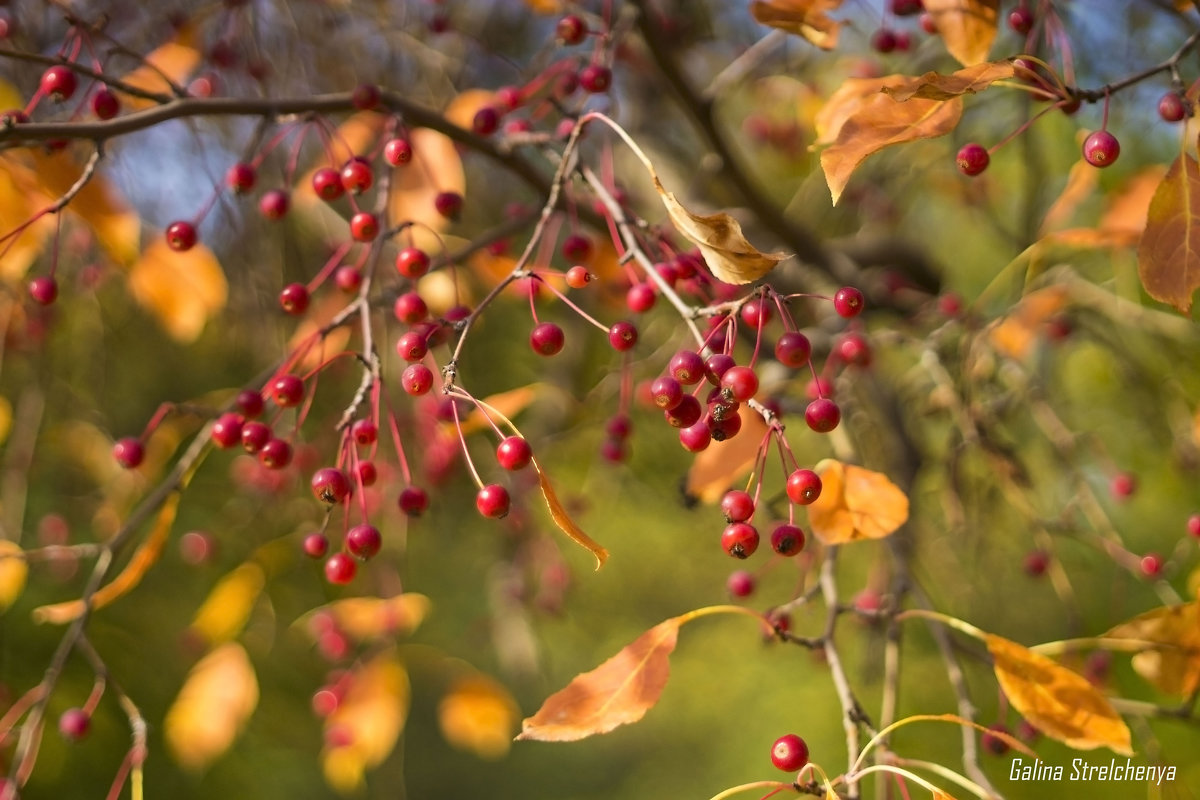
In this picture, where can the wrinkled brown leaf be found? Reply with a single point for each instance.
(967, 27)
(564, 522)
(715, 469)
(1169, 253)
(969, 80)
(218, 697)
(618, 692)
(855, 503)
(807, 18)
(1174, 667)
(1060, 703)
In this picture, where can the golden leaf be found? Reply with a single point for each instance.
(218, 697)
(13, 571)
(969, 80)
(968, 27)
(807, 18)
(1014, 335)
(855, 503)
(370, 618)
(728, 255)
(98, 204)
(1081, 182)
(227, 608)
(18, 203)
(1060, 703)
(435, 167)
(363, 730)
(618, 692)
(478, 715)
(1169, 252)
(1174, 666)
(462, 109)
(6, 418)
(564, 522)
(177, 60)
(715, 468)
(306, 335)
(183, 290)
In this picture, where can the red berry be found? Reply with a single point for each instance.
(883, 40)
(486, 121)
(255, 436)
(740, 583)
(417, 379)
(294, 298)
(287, 391)
(854, 350)
(273, 205)
(356, 175)
(803, 487)
(1171, 107)
(250, 403)
(822, 415)
(413, 501)
(105, 104)
(73, 724)
(412, 346)
(1036, 562)
(993, 743)
(1101, 149)
(578, 277)
(906, 8)
(129, 452)
(448, 204)
(340, 568)
(1193, 526)
(848, 302)
(1020, 19)
(727, 427)
(514, 453)
(595, 78)
(546, 339)
(787, 540)
(492, 501)
(181, 236)
(576, 248)
(739, 539)
(275, 454)
(695, 437)
(715, 367)
(686, 414)
(348, 279)
(687, 367)
(59, 83)
(397, 152)
(666, 392)
(316, 545)
(789, 753)
(412, 263)
(409, 308)
(365, 96)
(1151, 565)
(739, 384)
(363, 541)
(367, 474)
(640, 298)
(1122, 486)
(757, 313)
(44, 290)
(793, 349)
(364, 226)
(327, 184)
(737, 506)
(330, 485)
(241, 178)
(227, 430)
(571, 30)
(973, 159)
(619, 427)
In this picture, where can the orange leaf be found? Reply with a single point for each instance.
(1081, 182)
(545, 6)
(227, 608)
(966, 26)
(564, 521)
(219, 695)
(98, 204)
(322, 311)
(435, 167)
(478, 715)
(13, 569)
(1015, 334)
(618, 692)
(183, 290)
(715, 468)
(807, 18)
(363, 730)
(368, 618)
(462, 109)
(855, 503)
(18, 203)
(509, 404)
(1174, 667)
(1169, 253)
(935, 86)
(176, 60)
(1128, 207)
(1060, 703)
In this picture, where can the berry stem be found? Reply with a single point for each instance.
(462, 440)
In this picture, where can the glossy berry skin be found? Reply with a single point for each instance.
(250, 403)
(727, 427)
(666, 392)
(803, 487)
(696, 437)
(59, 82)
(492, 501)
(640, 298)
(412, 262)
(356, 176)
(412, 346)
(757, 313)
(413, 501)
(739, 539)
(409, 308)
(255, 436)
(787, 540)
(327, 184)
(578, 277)
(486, 121)
(715, 367)
(514, 453)
(1151, 565)
(686, 413)
(822, 415)
(1171, 107)
(74, 722)
(793, 349)
(105, 104)
(241, 178)
(274, 205)
(571, 30)
(181, 236)
(348, 279)
(848, 302)
(740, 583)
(44, 290)
(227, 430)
(1020, 19)
(397, 152)
(364, 541)
(1193, 526)
(417, 379)
(294, 298)
(739, 384)
(366, 473)
(687, 367)
(448, 204)
(275, 454)
(595, 78)
(287, 391)
(1101, 149)
(340, 569)
(973, 159)
(789, 753)
(129, 452)
(364, 226)
(546, 339)
(737, 506)
(854, 350)
(330, 485)
(316, 545)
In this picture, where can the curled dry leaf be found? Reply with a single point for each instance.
(1169, 252)
(182, 290)
(715, 469)
(855, 503)
(807, 18)
(363, 730)
(366, 619)
(1060, 703)
(564, 522)
(936, 86)
(227, 608)
(478, 715)
(618, 692)
(1171, 660)
(13, 570)
(968, 27)
(729, 256)
(218, 697)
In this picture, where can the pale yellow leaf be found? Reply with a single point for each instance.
(478, 715)
(182, 290)
(363, 730)
(369, 618)
(968, 27)
(435, 167)
(1171, 660)
(229, 603)
(218, 697)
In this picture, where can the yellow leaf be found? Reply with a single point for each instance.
(218, 697)
(478, 715)
(1081, 182)
(855, 503)
(807, 18)
(545, 6)
(13, 571)
(228, 605)
(715, 468)
(18, 204)
(177, 60)
(183, 290)
(509, 403)
(1174, 665)
(968, 27)
(363, 730)
(98, 204)
(564, 521)
(369, 618)
(435, 167)
(462, 109)
(1060, 703)
(1169, 252)
(6, 415)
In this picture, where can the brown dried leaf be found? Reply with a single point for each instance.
(717, 467)
(967, 27)
(969, 80)
(219, 695)
(1174, 667)
(363, 730)
(855, 503)
(1060, 703)
(183, 290)
(13, 570)
(1169, 253)
(478, 715)
(807, 18)
(729, 256)
(564, 522)
(618, 692)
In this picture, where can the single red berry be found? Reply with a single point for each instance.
(255, 436)
(1020, 19)
(907, 8)
(571, 30)
(739, 539)
(356, 175)
(1193, 526)
(364, 226)
(739, 384)
(129, 452)
(348, 279)
(241, 178)
(789, 753)
(412, 262)
(973, 159)
(448, 204)
(803, 487)
(44, 290)
(1172, 107)
(993, 743)
(287, 391)
(686, 414)
(73, 724)
(868, 601)
(1035, 563)
(666, 392)
(486, 121)
(327, 184)
(492, 501)
(793, 349)
(848, 302)
(640, 298)
(105, 104)
(330, 485)
(412, 346)
(397, 152)
(294, 298)
(59, 82)
(316, 545)
(853, 349)
(1151, 565)
(787, 540)
(365, 97)
(514, 453)
(695, 437)
(1101, 149)
(1122, 486)
(364, 541)
(726, 427)
(928, 24)
(181, 236)
(595, 78)
(227, 430)
(578, 277)
(883, 40)
(275, 454)
(822, 415)
(546, 339)
(715, 367)
(737, 506)
(417, 379)
(250, 403)
(273, 205)
(576, 248)
(414, 501)
(687, 367)
(622, 336)
(409, 308)
(757, 313)
(740, 583)
(367, 473)
(340, 568)
(619, 427)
